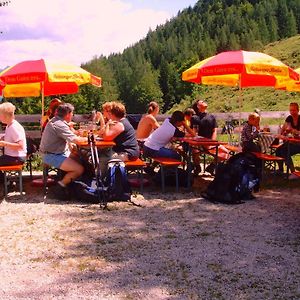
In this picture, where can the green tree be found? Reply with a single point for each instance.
(292, 25)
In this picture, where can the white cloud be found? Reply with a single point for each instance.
(71, 30)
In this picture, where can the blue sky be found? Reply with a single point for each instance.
(67, 30)
(168, 5)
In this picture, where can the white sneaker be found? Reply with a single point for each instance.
(293, 176)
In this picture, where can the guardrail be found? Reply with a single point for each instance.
(32, 122)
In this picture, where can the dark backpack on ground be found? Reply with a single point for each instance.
(117, 181)
(89, 192)
(235, 180)
(115, 187)
(86, 188)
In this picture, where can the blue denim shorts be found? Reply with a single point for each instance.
(54, 160)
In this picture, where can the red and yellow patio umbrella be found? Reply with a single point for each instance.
(241, 69)
(288, 84)
(35, 78)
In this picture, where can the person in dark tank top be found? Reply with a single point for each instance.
(119, 130)
(291, 127)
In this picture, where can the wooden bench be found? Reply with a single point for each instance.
(297, 173)
(136, 165)
(12, 172)
(265, 158)
(165, 162)
(222, 156)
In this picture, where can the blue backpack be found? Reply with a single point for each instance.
(117, 181)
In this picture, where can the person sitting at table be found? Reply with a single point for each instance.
(207, 127)
(155, 144)
(54, 147)
(102, 117)
(50, 112)
(14, 139)
(188, 113)
(290, 126)
(206, 122)
(119, 130)
(148, 122)
(250, 134)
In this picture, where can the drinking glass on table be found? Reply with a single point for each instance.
(83, 129)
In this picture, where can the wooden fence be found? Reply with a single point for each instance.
(31, 122)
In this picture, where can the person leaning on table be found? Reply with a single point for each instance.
(119, 130)
(55, 151)
(14, 139)
(290, 126)
(155, 144)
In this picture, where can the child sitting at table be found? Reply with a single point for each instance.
(250, 133)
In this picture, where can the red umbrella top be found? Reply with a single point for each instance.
(35, 77)
(239, 68)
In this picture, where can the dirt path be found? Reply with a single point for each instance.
(178, 246)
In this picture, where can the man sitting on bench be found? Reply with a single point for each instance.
(55, 148)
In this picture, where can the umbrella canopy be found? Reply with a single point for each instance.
(239, 68)
(288, 84)
(33, 78)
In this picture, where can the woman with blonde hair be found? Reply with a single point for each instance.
(14, 140)
(148, 123)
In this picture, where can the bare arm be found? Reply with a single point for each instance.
(286, 127)
(214, 134)
(188, 129)
(14, 146)
(100, 119)
(112, 130)
(155, 124)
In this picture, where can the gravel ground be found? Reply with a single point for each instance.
(171, 246)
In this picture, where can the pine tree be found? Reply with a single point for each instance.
(292, 25)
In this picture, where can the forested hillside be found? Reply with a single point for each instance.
(151, 69)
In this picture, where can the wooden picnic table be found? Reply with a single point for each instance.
(201, 143)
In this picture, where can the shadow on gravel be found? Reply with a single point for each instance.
(175, 246)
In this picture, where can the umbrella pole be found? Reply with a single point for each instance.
(240, 108)
(43, 100)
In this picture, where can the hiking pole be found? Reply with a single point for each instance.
(91, 142)
(100, 189)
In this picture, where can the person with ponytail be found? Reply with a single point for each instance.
(148, 122)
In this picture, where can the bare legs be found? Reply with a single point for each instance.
(73, 169)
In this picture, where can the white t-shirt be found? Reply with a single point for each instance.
(162, 135)
(13, 134)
